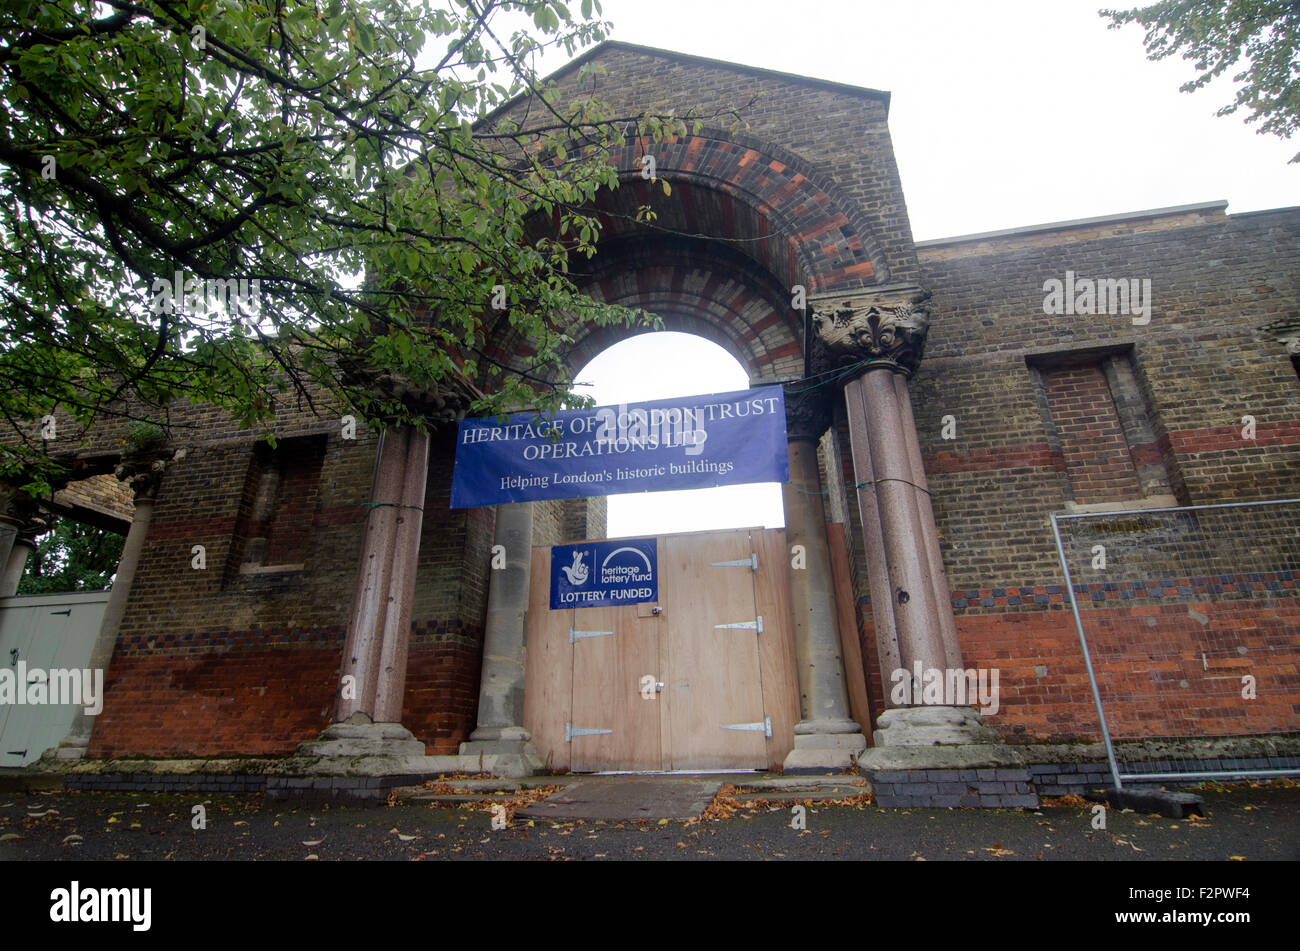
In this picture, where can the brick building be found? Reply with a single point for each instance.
(999, 414)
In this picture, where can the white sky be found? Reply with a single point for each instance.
(1003, 113)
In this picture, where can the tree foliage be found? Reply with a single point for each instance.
(271, 153)
(71, 557)
(1216, 35)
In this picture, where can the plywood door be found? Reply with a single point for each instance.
(548, 671)
(607, 673)
(712, 673)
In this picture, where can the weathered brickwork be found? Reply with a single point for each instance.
(1093, 446)
(1051, 412)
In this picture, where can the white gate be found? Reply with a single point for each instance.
(46, 631)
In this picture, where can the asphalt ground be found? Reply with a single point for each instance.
(257, 871)
(1258, 823)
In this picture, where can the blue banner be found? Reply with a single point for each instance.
(691, 442)
(603, 574)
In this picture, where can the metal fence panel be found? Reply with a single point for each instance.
(1189, 620)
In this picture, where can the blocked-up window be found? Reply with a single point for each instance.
(279, 504)
(1099, 422)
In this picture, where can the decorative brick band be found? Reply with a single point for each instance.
(1280, 583)
(422, 632)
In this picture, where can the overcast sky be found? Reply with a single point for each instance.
(1003, 113)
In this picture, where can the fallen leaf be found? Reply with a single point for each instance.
(74, 838)
(1236, 858)
(241, 822)
(312, 858)
(314, 842)
(9, 835)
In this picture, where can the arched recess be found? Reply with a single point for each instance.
(744, 224)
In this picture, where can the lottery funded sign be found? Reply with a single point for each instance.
(690, 442)
(604, 574)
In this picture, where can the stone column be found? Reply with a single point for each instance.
(390, 688)
(876, 337)
(372, 680)
(16, 508)
(144, 476)
(500, 739)
(24, 544)
(929, 530)
(826, 736)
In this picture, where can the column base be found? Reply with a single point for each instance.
(360, 747)
(932, 726)
(943, 757)
(824, 746)
(507, 758)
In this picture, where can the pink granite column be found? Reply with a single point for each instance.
(920, 639)
(929, 530)
(391, 686)
(363, 649)
(873, 537)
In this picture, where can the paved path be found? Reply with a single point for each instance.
(615, 798)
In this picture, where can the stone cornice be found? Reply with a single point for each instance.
(882, 327)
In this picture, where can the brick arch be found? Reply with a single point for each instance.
(698, 288)
(770, 202)
(744, 223)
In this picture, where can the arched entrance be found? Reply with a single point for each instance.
(743, 239)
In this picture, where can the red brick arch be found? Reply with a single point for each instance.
(774, 204)
(699, 288)
(743, 224)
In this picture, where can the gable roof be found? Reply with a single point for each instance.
(601, 49)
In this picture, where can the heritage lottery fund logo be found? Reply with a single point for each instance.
(1086, 295)
(610, 572)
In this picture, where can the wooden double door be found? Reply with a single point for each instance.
(701, 679)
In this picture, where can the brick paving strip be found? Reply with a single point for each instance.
(628, 798)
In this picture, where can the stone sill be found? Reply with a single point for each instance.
(1128, 505)
(270, 569)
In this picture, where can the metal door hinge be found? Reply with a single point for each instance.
(579, 635)
(764, 727)
(570, 731)
(751, 563)
(755, 625)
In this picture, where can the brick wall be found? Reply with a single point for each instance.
(1202, 363)
(1091, 439)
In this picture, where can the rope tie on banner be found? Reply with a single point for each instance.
(391, 505)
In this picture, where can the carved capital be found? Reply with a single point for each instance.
(144, 474)
(808, 410)
(877, 328)
(445, 400)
